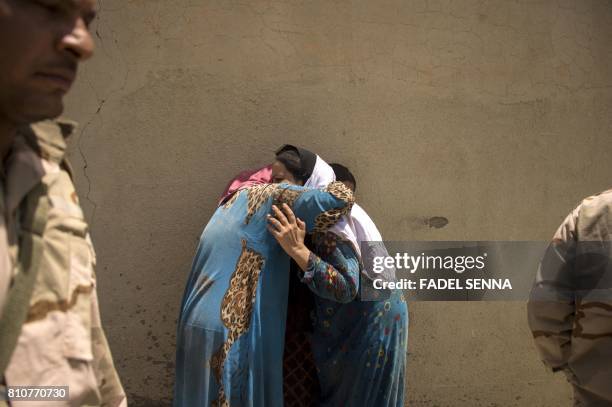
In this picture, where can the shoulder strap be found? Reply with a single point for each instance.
(35, 209)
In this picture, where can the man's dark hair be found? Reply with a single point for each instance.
(343, 174)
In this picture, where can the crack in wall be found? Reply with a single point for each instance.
(86, 164)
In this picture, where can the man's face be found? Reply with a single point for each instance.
(41, 45)
(280, 173)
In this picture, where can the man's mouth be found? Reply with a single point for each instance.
(58, 78)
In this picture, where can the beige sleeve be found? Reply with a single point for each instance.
(109, 385)
(551, 307)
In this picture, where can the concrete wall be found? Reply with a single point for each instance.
(493, 114)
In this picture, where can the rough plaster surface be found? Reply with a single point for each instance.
(494, 115)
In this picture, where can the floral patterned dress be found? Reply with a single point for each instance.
(359, 346)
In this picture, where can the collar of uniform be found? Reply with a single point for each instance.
(34, 143)
(49, 137)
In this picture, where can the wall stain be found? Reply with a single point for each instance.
(424, 222)
(437, 222)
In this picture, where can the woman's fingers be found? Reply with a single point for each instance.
(275, 223)
(301, 224)
(280, 216)
(274, 232)
(289, 213)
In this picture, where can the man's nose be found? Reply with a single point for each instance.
(78, 41)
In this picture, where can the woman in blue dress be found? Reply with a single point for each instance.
(359, 346)
(231, 327)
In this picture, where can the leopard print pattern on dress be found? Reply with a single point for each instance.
(287, 196)
(236, 310)
(327, 219)
(232, 199)
(217, 403)
(257, 196)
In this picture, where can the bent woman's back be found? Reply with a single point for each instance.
(232, 323)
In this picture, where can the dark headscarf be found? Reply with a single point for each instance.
(299, 161)
(343, 174)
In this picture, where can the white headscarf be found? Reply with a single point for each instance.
(322, 175)
(358, 228)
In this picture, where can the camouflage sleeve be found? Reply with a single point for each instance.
(551, 307)
(109, 385)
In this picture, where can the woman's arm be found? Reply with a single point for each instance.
(334, 274)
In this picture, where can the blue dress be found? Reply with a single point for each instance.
(359, 346)
(232, 322)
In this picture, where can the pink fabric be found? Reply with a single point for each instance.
(246, 179)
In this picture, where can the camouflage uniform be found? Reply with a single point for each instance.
(570, 309)
(61, 341)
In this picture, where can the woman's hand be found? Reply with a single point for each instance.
(289, 232)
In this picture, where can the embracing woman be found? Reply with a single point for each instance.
(231, 327)
(359, 346)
